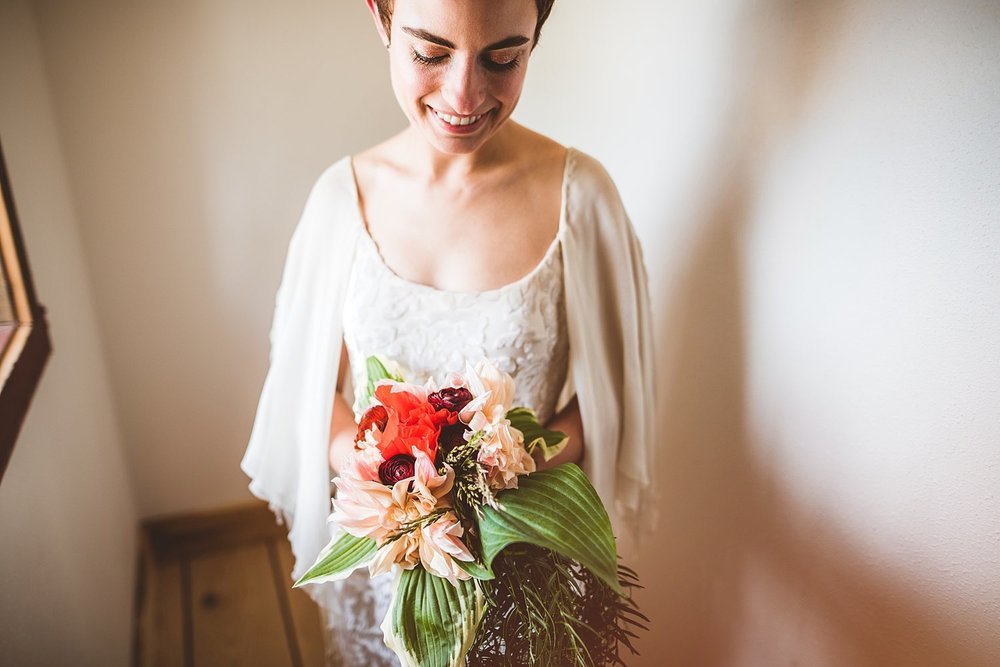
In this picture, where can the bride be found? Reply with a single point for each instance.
(465, 236)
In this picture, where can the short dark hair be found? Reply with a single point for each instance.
(544, 9)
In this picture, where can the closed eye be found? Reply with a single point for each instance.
(502, 65)
(427, 60)
(491, 64)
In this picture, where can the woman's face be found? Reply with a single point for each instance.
(457, 67)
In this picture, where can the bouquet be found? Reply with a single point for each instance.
(493, 562)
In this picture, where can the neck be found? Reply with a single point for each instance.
(436, 166)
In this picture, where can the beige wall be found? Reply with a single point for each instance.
(816, 186)
(67, 510)
(194, 131)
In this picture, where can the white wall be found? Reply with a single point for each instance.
(194, 131)
(818, 189)
(67, 510)
(816, 185)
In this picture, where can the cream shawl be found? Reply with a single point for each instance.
(610, 365)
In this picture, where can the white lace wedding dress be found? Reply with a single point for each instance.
(521, 327)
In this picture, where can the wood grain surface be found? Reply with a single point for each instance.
(215, 589)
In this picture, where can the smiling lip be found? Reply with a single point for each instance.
(459, 124)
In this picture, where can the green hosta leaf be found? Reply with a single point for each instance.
(432, 623)
(342, 556)
(536, 435)
(557, 509)
(475, 569)
(377, 368)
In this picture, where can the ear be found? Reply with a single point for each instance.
(373, 8)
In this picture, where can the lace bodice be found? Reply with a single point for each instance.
(521, 327)
(607, 312)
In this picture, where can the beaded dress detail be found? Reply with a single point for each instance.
(520, 327)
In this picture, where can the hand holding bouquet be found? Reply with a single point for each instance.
(494, 563)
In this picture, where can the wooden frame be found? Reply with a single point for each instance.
(24, 336)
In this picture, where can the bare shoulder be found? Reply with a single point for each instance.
(587, 176)
(539, 150)
(375, 164)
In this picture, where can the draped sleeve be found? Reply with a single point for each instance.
(611, 345)
(287, 454)
(610, 365)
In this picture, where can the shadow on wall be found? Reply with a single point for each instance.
(727, 530)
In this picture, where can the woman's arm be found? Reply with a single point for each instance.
(342, 426)
(569, 422)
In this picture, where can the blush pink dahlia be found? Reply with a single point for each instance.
(365, 507)
(504, 455)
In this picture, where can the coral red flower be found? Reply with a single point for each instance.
(417, 423)
(376, 415)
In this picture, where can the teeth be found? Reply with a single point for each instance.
(457, 120)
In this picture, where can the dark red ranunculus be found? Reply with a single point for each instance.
(397, 468)
(377, 415)
(452, 436)
(413, 422)
(452, 399)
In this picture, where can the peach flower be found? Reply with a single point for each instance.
(364, 507)
(503, 453)
(492, 395)
(441, 546)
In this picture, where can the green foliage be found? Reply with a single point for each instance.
(545, 609)
(537, 436)
(431, 622)
(471, 492)
(555, 593)
(474, 569)
(341, 556)
(471, 489)
(375, 370)
(557, 509)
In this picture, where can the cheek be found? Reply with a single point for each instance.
(410, 81)
(508, 87)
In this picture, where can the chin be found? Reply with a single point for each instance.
(451, 146)
(439, 139)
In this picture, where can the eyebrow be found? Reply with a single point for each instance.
(506, 43)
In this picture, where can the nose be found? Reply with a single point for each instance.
(464, 86)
